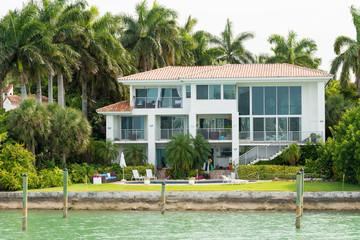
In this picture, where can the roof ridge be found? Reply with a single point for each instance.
(146, 72)
(306, 68)
(212, 67)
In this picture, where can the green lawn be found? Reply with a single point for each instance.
(260, 186)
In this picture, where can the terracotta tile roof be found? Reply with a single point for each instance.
(14, 99)
(7, 88)
(17, 99)
(123, 106)
(270, 70)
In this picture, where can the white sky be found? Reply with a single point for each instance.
(321, 20)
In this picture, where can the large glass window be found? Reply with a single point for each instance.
(270, 128)
(283, 100)
(202, 92)
(188, 91)
(244, 101)
(282, 128)
(270, 100)
(258, 100)
(295, 100)
(244, 128)
(132, 128)
(171, 125)
(229, 91)
(214, 92)
(258, 125)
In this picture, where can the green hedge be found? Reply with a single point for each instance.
(255, 171)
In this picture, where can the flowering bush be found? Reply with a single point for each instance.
(199, 177)
(96, 175)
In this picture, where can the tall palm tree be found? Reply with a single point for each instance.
(204, 54)
(30, 123)
(70, 132)
(294, 52)
(106, 150)
(179, 152)
(22, 42)
(349, 59)
(185, 55)
(202, 149)
(232, 49)
(134, 153)
(151, 37)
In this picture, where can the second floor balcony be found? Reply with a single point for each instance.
(152, 102)
(131, 135)
(164, 134)
(215, 133)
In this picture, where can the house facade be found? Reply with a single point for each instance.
(247, 112)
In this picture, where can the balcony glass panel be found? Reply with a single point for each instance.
(258, 125)
(244, 128)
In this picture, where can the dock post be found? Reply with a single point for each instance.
(302, 191)
(163, 198)
(25, 198)
(298, 200)
(65, 192)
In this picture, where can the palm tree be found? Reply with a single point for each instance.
(294, 52)
(185, 55)
(180, 152)
(232, 50)
(202, 150)
(204, 54)
(292, 153)
(349, 59)
(106, 150)
(151, 37)
(22, 42)
(30, 123)
(69, 132)
(134, 153)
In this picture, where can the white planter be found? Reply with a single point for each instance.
(147, 182)
(233, 175)
(97, 180)
(191, 182)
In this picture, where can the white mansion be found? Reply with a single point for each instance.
(262, 106)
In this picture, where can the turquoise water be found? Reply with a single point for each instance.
(179, 225)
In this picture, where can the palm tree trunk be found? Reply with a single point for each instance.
(23, 85)
(38, 88)
(84, 97)
(50, 88)
(1, 93)
(64, 159)
(357, 83)
(143, 64)
(61, 92)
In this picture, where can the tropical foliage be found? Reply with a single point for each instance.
(134, 154)
(292, 51)
(292, 154)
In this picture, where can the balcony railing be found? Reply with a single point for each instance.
(165, 102)
(285, 136)
(215, 133)
(167, 133)
(131, 134)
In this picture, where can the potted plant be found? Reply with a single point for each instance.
(96, 179)
(191, 181)
(314, 137)
(147, 181)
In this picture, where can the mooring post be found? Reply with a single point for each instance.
(65, 192)
(25, 193)
(302, 191)
(163, 198)
(298, 200)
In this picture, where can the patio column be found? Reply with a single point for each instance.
(235, 137)
(110, 127)
(321, 108)
(192, 124)
(151, 139)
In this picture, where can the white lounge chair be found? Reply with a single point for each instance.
(136, 176)
(149, 174)
(226, 179)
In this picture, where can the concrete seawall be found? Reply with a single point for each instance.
(182, 200)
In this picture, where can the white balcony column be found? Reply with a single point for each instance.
(110, 127)
(235, 137)
(321, 108)
(192, 124)
(151, 129)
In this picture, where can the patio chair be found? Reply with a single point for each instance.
(136, 176)
(149, 174)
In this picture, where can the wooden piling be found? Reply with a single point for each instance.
(25, 193)
(163, 198)
(302, 191)
(298, 200)
(65, 192)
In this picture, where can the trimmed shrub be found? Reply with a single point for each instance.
(253, 171)
(51, 178)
